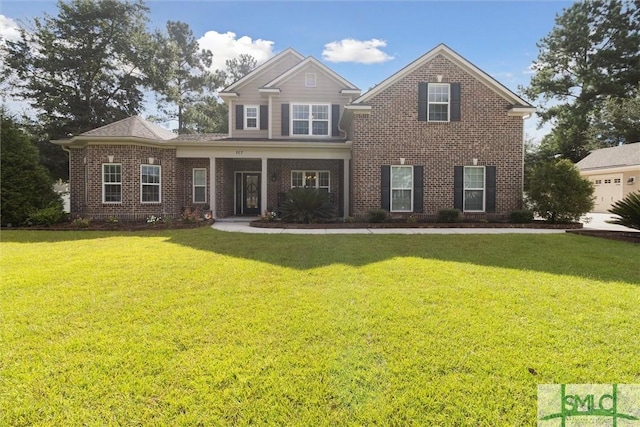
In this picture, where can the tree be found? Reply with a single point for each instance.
(628, 210)
(239, 67)
(85, 67)
(25, 186)
(558, 193)
(591, 56)
(181, 77)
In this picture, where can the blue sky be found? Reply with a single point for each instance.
(364, 41)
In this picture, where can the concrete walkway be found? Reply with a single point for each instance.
(592, 221)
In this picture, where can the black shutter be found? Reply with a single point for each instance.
(423, 89)
(458, 187)
(264, 117)
(239, 116)
(385, 186)
(490, 177)
(455, 102)
(284, 113)
(335, 118)
(418, 188)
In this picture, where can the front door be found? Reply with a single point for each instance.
(247, 193)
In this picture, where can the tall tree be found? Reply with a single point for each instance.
(239, 67)
(181, 73)
(591, 56)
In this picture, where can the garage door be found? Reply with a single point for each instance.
(608, 190)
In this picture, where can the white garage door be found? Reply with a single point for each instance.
(608, 190)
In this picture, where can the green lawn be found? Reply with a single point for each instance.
(200, 327)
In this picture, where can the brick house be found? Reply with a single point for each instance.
(440, 133)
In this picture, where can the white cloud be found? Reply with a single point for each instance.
(9, 29)
(361, 51)
(226, 46)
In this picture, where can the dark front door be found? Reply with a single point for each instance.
(247, 193)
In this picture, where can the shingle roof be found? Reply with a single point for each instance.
(623, 155)
(133, 127)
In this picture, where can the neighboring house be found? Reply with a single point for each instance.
(438, 134)
(614, 172)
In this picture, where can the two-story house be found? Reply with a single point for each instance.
(440, 133)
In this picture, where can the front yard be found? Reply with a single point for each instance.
(199, 327)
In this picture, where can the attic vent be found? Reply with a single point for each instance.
(631, 180)
(310, 80)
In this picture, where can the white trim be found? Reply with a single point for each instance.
(269, 90)
(309, 60)
(310, 119)
(391, 188)
(212, 185)
(158, 184)
(346, 186)
(270, 120)
(193, 185)
(448, 103)
(484, 189)
(111, 183)
(317, 172)
(257, 117)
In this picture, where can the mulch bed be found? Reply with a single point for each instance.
(624, 236)
(536, 224)
(120, 226)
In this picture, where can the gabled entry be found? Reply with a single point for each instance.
(247, 193)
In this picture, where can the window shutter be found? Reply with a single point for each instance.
(455, 102)
(423, 89)
(264, 117)
(458, 187)
(284, 113)
(335, 118)
(385, 186)
(239, 116)
(418, 188)
(490, 177)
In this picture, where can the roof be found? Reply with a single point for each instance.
(453, 56)
(309, 60)
(622, 155)
(135, 127)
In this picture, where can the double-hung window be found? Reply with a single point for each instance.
(251, 117)
(474, 188)
(401, 188)
(150, 183)
(111, 183)
(310, 119)
(310, 179)
(199, 185)
(438, 102)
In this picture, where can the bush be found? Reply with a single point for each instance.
(349, 219)
(411, 219)
(82, 222)
(628, 209)
(50, 215)
(448, 215)
(376, 215)
(558, 193)
(307, 205)
(521, 217)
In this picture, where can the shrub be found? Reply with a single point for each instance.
(558, 193)
(377, 215)
(521, 217)
(190, 215)
(628, 209)
(349, 219)
(50, 215)
(81, 222)
(448, 215)
(307, 205)
(411, 219)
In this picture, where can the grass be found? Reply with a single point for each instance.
(199, 327)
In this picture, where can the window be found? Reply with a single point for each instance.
(616, 181)
(310, 179)
(200, 185)
(111, 183)
(607, 181)
(438, 102)
(310, 119)
(598, 181)
(150, 183)
(474, 189)
(401, 188)
(251, 118)
(310, 79)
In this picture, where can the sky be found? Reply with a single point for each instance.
(363, 41)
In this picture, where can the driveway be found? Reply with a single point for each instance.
(598, 221)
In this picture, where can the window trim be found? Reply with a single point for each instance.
(194, 186)
(104, 184)
(448, 103)
(246, 117)
(317, 172)
(483, 189)
(310, 119)
(391, 188)
(310, 80)
(158, 184)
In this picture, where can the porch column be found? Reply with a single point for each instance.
(212, 186)
(345, 190)
(263, 186)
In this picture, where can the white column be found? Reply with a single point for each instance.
(269, 122)
(345, 190)
(263, 186)
(212, 186)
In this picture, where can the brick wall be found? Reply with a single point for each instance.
(392, 131)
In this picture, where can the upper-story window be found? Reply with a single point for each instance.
(310, 79)
(438, 102)
(310, 119)
(251, 117)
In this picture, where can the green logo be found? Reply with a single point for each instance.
(595, 404)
